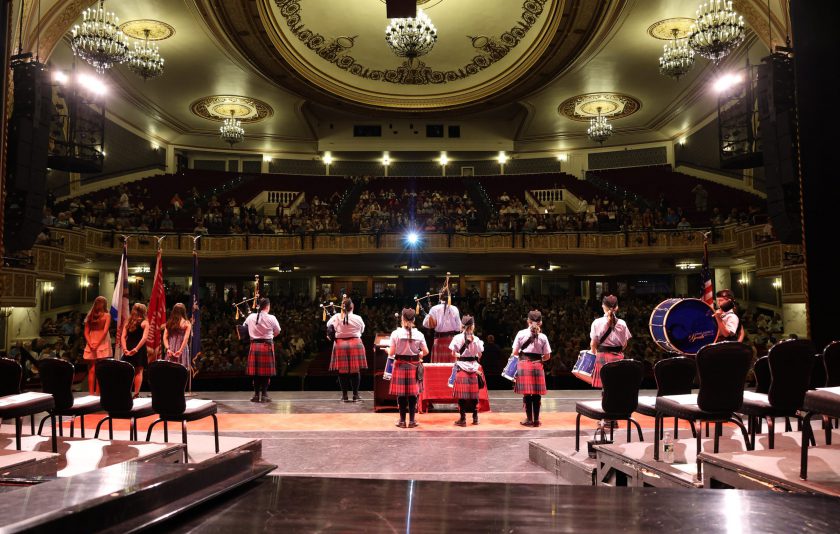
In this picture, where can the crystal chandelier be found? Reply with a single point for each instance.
(677, 57)
(231, 131)
(411, 37)
(717, 30)
(98, 40)
(145, 60)
(599, 128)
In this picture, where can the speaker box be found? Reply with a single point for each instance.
(775, 92)
(27, 151)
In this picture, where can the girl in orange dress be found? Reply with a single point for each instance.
(98, 346)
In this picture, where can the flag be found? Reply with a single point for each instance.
(119, 302)
(195, 316)
(707, 290)
(157, 313)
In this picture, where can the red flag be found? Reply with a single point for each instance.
(706, 275)
(157, 313)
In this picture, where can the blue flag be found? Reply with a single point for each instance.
(195, 315)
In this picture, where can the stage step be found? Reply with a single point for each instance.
(16, 465)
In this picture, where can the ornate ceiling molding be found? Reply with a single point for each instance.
(570, 26)
(584, 107)
(220, 107)
(158, 30)
(664, 29)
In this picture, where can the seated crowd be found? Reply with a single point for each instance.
(429, 211)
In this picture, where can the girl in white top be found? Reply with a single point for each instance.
(408, 345)
(608, 338)
(348, 354)
(466, 349)
(531, 347)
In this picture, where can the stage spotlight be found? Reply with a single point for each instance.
(412, 238)
(728, 81)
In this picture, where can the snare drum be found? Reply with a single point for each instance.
(585, 366)
(389, 368)
(451, 382)
(683, 326)
(510, 369)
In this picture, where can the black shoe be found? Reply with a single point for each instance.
(413, 424)
(536, 423)
(526, 422)
(357, 398)
(255, 398)
(461, 422)
(345, 399)
(265, 398)
(475, 419)
(400, 424)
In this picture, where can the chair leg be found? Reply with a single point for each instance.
(656, 423)
(184, 441)
(753, 423)
(638, 429)
(60, 425)
(132, 430)
(699, 448)
(18, 431)
(788, 428)
(54, 439)
(694, 429)
(577, 433)
(629, 431)
(707, 429)
(151, 427)
(32, 423)
(82, 424)
(216, 431)
(99, 426)
(41, 426)
(110, 429)
(718, 431)
(72, 426)
(750, 446)
(676, 428)
(806, 432)
(166, 431)
(771, 432)
(827, 426)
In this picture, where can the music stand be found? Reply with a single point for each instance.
(382, 399)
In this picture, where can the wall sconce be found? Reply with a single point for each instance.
(48, 287)
(777, 283)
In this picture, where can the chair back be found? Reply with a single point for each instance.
(57, 380)
(791, 362)
(115, 379)
(11, 373)
(831, 360)
(819, 378)
(674, 376)
(761, 370)
(621, 380)
(168, 381)
(723, 370)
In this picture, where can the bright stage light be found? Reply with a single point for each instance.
(728, 81)
(412, 239)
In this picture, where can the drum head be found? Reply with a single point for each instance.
(690, 326)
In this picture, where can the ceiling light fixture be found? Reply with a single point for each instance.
(231, 131)
(677, 57)
(411, 37)
(599, 128)
(717, 30)
(99, 40)
(145, 60)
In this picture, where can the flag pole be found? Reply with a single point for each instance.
(194, 303)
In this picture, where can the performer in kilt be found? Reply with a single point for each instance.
(467, 349)
(262, 328)
(728, 322)
(531, 347)
(445, 320)
(409, 346)
(348, 353)
(609, 336)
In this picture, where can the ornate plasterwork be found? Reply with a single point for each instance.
(158, 30)
(337, 50)
(613, 105)
(664, 29)
(219, 108)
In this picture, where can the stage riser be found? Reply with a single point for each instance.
(575, 473)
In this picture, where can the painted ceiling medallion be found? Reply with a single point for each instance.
(425, 4)
(410, 72)
(158, 30)
(221, 107)
(587, 106)
(664, 29)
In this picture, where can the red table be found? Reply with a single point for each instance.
(436, 388)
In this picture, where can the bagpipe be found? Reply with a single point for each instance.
(389, 363)
(328, 310)
(424, 304)
(250, 305)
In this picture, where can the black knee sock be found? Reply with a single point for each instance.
(474, 407)
(403, 404)
(257, 388)
(265, 384)
(529, 409)
(343, 379)
(537, 402)
(355, 378)
(462, 407)
(412, 407)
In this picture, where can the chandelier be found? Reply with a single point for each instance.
(717, 30)
(231, 131)
(677, 57)
(98, 40)
(145, 60)
(599, 128)
(411, 37)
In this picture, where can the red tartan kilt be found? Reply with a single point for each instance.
(601, 359)
(404, 380)
(348, 356)
(261, 359)
(441, 352)
(466, 385)
(530, 378)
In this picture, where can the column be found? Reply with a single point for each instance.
(795, 320)
(313, 288)
(107, 280)
(681, 285)
(171, 165)
(723, 279)
(517, 286)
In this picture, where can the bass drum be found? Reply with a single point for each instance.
(683, 326)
